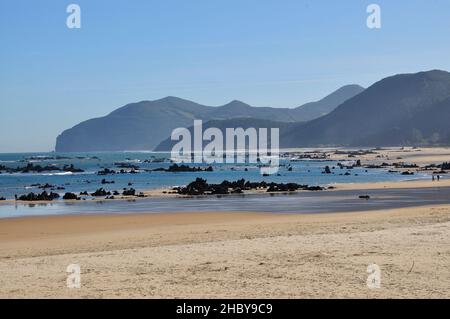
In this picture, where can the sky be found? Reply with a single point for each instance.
(263, 52)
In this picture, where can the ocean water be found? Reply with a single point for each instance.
(303, 172)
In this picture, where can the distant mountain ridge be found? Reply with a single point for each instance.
(143, 125)
(405, 109)
(222, 125)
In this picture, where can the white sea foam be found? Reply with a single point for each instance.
(57, 174)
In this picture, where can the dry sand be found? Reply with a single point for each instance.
(229, 255)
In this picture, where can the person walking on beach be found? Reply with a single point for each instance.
(432, 177)
(438, 178)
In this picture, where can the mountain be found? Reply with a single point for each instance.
(406, 109)
(143, 125)
(136, 126)
(222, 125)
(313, 110)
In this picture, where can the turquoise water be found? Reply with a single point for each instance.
(303, 172)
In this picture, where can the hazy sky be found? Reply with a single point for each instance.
(278, 53)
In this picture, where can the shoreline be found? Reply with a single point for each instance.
(203, 252)
(159, 193)
(369, 157)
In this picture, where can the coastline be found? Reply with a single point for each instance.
(238, 254)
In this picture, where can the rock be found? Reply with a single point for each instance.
(367, 197)
(72, 169)
(237, 191)
(106, 171)
(127, 166)
(100, 192)
(184, 168)
(327, 170)
(129, 192)
(201, 187)
(104, 181)
(46, 186)
(84, 193)
(70, 196)
(44, 196)
(2, 198)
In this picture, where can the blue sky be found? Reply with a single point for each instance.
(264, 52)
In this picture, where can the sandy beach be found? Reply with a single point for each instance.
(235, 254)
(229, 255)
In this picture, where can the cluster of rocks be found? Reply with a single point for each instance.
(31, 168)
(2, 198)
(183, 168)
(127, 166)
(157, 160)
(44, 196)
(201, 187)
(46, 158)
(355, 153)
(47, 186)
(107, 171)
(404, 165)
(100, 193)
(306, 155)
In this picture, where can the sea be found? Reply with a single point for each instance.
(292, 170)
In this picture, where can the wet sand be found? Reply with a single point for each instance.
(345, 198)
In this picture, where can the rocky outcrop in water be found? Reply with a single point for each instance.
(201, 187)
(44, 196)
(70, 196)
(175, 168)
(129, 192)
(31, 168)
(100, 192)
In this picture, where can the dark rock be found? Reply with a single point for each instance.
(44, 196)
(201, 187)
(327, 170)
(70, 196)
(183, 168)
(46, 186)
(71, 168)
(127, 165)
(367, 197)
(101, 192)
(106, 171)
(129, 192)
